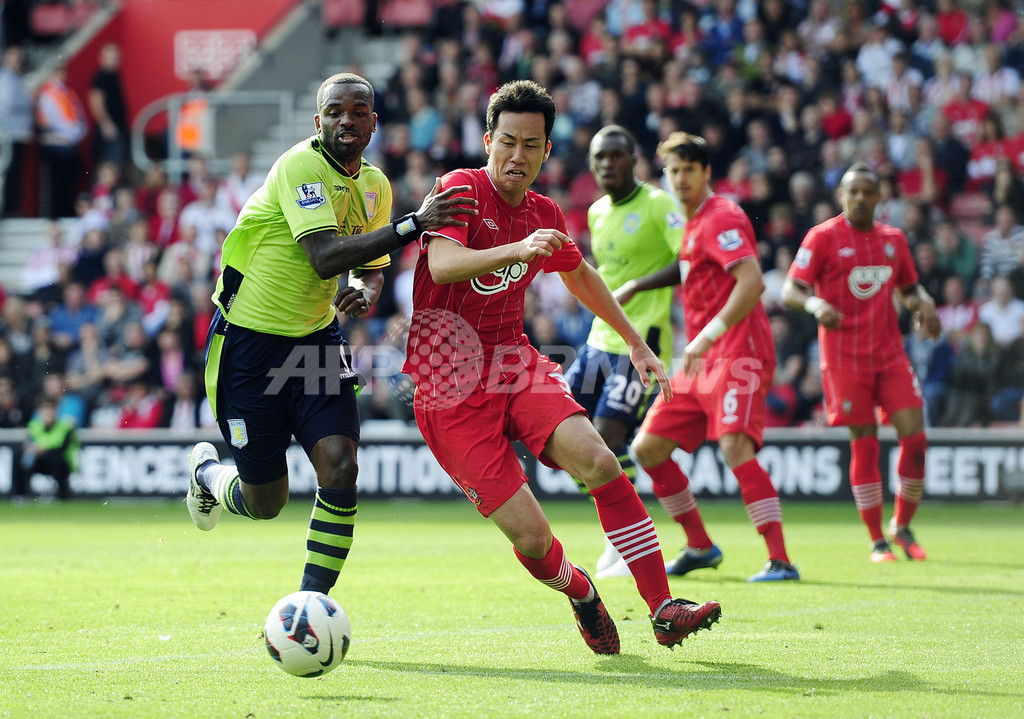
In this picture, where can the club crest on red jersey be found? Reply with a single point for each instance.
(866, 281)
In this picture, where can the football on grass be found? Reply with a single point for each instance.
(307, 634)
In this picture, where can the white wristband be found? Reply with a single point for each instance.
(813, 304)
(713, 329)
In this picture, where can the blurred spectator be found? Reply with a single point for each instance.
(875, 56)
(958, 314)
(113, 276)
(70, 315)
(141, 408)
(925, 182)
(901, 139)
(15, 126)
(239, 184)
(971, 381)
(205, 216)
(154, 182)
(187, 408)
(1004, 313)
(930, 275)
(996, 84)
(966, 112)
(88, 217)
(163, 225)
(932, 360)
(952, 21)
(52, 449)
(1008, 386)
(950, 153)
(116, 312)
(123, 215)
(11, 412)
(44, 358)
(47, 264)
(1002, 246)
(902, 78)
(957, 254)
(86, 366)
(154, 298)
(1005, 187)
(109, 109)
(991, 145)
(62, 126)
(944, 86)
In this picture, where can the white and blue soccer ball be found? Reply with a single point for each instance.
(307, 634)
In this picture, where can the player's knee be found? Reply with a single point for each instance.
(599, 466)
(266, 506)
(646, 452)
(341, 473)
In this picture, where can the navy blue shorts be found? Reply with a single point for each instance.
(608, 385)
(266, 388)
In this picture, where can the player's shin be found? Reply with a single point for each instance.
(630, 529)
(866, 483)
(226, 486)
(328, 538)
(910, 469)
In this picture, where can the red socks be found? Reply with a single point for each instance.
(554, 570)
(763, 507)
(630, 529)
(866, 483)
(672, 489)
(910, 469)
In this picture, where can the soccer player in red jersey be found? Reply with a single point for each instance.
(480, 385)
(854, 265)
(727, 366)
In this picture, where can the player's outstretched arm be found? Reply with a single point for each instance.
(667, 276)
(586, 284)
(330, 255)
(799, 296)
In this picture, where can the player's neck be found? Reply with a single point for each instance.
(691, 208)
(625, 193)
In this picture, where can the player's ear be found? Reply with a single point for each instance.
(487, 143)
(547, 151)
(316, 121)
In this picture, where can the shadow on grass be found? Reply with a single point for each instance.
(882, 586)
(631, 670)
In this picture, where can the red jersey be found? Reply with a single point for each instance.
(717, 237)
(462, 332)
(966, 118)
(857, 272)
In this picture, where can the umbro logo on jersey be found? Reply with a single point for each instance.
(491, 223)
(847, 252)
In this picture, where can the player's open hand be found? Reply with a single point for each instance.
(647, 363)
(693, 355)
(540, 243)
(352, 302)
(441, 208)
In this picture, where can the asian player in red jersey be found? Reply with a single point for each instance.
(480, 385)
(726, 371)
(854, 265)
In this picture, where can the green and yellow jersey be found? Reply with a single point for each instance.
(266, 282)
(629, 239)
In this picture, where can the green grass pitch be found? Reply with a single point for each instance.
(124, 609)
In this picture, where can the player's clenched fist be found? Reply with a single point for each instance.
(541, 243)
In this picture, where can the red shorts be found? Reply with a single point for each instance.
(851, 397)
(472, 440)
(725, 399)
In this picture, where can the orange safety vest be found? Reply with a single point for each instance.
(189, 134)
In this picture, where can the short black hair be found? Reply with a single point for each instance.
(342, 78)
(621, 132)
(692, 148)
(861, 168)
(521, 96)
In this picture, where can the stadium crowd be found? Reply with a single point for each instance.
(112, 319)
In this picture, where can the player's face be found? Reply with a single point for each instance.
(688, 179)
(515, 152)
(859, 196)
(346, 122)
(612, 163)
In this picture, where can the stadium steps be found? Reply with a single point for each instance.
(375, 58)
(18, 237)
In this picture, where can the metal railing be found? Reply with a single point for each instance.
(218, 129)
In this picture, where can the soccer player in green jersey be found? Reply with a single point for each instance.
(275, 358)
(636, 231)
